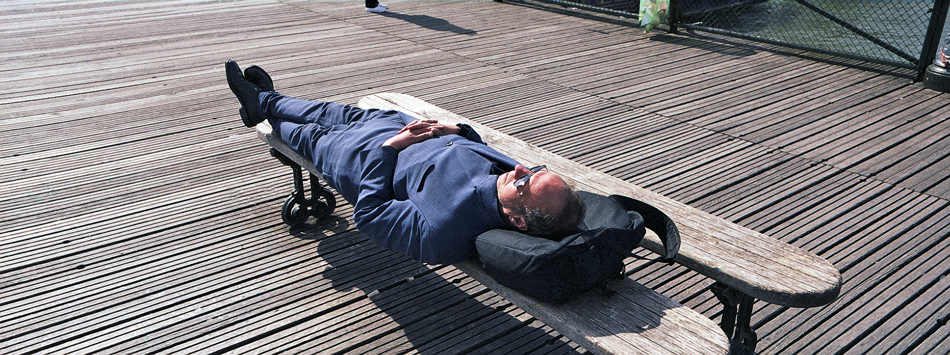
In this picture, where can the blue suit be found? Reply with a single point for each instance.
(428, 201)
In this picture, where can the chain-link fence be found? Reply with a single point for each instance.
(894, 32)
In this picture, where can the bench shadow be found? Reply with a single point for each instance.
(429, 22)
(425, 307)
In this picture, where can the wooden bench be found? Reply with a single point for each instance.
(745, 264)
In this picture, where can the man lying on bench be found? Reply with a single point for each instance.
(418, 187)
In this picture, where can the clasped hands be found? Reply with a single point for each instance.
(418, 131)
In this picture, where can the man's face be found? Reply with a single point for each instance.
(543, 190)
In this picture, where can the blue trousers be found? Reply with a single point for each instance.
(301, 122)
(331, 135)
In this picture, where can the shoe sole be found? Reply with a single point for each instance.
(269, 84)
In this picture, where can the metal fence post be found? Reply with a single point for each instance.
(674, 15)
(938, 18)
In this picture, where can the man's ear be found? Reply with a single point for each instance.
(514, 220)
(517, 221)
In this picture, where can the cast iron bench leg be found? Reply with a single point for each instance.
(736, 318)
(298, 208)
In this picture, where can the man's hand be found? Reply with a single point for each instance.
(419, 131)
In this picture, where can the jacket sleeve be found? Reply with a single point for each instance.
(469, 133)
(397, 225)
(466, 130)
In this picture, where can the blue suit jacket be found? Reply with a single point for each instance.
(428, 201)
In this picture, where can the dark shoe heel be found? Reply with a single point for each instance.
(247, 121)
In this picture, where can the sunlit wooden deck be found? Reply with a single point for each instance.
(139, 216)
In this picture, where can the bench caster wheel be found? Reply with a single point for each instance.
(323, 204)
(293, 213)
(298, 208)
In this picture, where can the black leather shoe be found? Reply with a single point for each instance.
(246, 93)
(259, 77)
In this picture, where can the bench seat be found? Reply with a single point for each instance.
(753, 263)
(745, 264)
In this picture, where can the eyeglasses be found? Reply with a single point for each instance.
(524, 180)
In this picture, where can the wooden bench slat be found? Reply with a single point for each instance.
(594, 321)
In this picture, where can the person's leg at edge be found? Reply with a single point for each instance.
(375, 6)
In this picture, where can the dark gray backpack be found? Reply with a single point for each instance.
(553, 271)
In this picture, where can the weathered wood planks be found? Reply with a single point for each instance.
(140, 80)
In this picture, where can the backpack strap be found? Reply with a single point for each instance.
(656, 221)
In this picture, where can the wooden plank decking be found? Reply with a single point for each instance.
(139, 215)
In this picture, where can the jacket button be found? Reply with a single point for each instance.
(448, 144)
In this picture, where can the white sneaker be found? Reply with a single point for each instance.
(378, 8)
